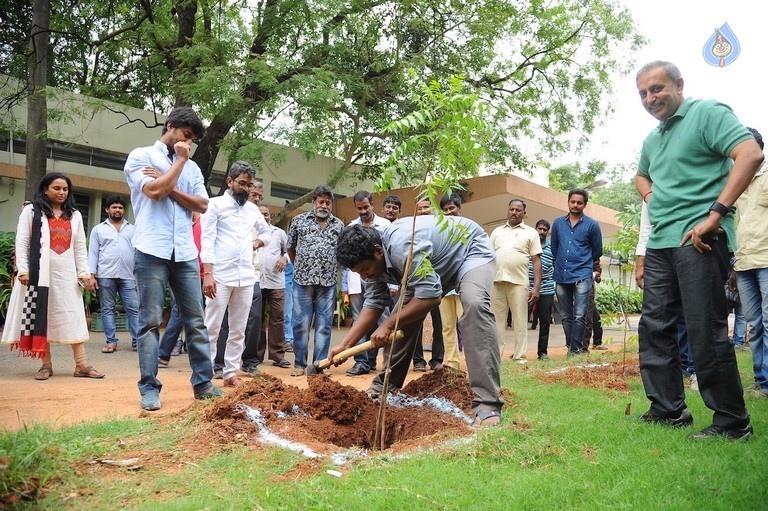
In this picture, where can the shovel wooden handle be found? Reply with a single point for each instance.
(356, 350)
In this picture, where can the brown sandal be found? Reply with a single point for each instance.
(88, 372)
(44, 373)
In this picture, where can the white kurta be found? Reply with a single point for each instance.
(66, 311)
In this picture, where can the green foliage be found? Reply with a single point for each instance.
(612, 297)
(7, 246)
(567, 177)
(617, 196)
(328, 76)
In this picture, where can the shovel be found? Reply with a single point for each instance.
(317, 368)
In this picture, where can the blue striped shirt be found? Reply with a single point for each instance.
(547, 271)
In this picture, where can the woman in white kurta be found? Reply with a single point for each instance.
(46, 304)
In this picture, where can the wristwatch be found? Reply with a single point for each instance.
(719, 208)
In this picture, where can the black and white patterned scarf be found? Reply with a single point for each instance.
(33, 341)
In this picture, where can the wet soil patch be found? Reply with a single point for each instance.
(329, 415)
(609, 376)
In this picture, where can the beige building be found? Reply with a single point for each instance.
(486, 203)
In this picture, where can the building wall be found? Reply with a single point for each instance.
(106, 126)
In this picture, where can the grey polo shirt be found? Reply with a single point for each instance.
(450, 259)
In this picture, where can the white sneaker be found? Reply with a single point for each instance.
(694, 383)
(521, 361)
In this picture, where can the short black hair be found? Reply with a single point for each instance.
(455, 199)
(322, 191)
(362, 195)
(544, 223)
(185, 117)
(114, 199)
(356, 244)
(579, 191)
(394, 199)
(521, 201)
(239, 168)
(758, 137)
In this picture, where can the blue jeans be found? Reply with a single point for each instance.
(172, 335)
(108, 290)
(739, 326)
(288, 310)
(573, 303)
(753, 292)
(153, 275)
(686, 355)
(309, 302)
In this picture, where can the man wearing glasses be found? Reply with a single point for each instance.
(226, 250)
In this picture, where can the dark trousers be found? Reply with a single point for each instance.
(682, 281)
(543, 314)
(594, 327)
(252, 334)
(438, 348)
(272, 326)
(481, 345)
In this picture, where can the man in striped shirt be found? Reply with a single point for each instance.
(542, 309)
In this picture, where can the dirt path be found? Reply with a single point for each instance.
(65, 400)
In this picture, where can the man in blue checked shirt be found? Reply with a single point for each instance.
(577, 244)
(110, 256)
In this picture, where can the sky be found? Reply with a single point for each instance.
(677, 31)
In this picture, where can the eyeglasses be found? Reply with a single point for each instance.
(244, 184)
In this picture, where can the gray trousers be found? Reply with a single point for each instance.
(681, 280)
(480, 342)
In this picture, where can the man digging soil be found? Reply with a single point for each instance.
(440, 263)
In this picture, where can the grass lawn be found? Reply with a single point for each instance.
(559, 447)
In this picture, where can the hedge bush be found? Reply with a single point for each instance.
(610, 292)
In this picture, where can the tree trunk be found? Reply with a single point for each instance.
(37, 105)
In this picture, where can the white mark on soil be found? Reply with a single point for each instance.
(438, 403)
(583, 366)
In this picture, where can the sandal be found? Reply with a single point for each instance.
(298, 372)
(88, 372)
(44, 373)
(281, 363)
(162, 363)
(486, 418)
(109, 348)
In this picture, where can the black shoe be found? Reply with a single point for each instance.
(357, 370)
(421, 368)
(685, 419)
(727, 433)
(250, 369)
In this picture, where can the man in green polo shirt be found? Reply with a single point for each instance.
(693, 166)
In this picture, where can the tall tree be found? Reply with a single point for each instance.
(37, 105)
(327, 75)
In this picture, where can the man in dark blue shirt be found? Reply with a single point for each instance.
(577, 245)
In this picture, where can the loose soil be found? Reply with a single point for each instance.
(330, 413)
(612, 376)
